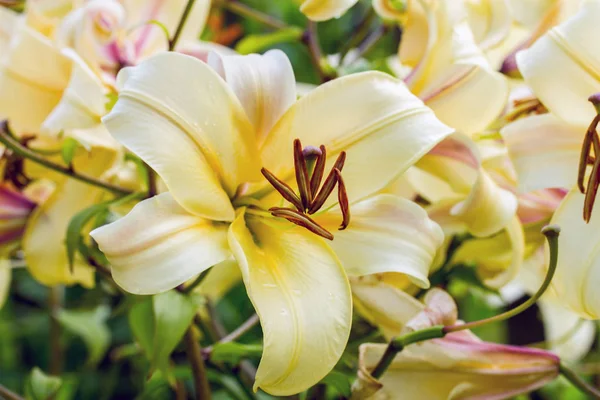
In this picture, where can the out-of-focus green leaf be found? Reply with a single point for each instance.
(41, 386)
(233, 352)
(68, 149)
(340, 382)
(141, 322)
(90, 325)
(259, 42)
(173, 314)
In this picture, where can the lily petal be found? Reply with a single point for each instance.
(490, 21)
(383, 128)
(264, 84)
(544, 151)
(302, 296)
(160, 245)
(387, 234)
(33, 75)
(178, 100)
(578, 268)
(566, 51)
(322, 10)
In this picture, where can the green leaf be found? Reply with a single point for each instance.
(233, 352)
(341, 382)
(259, 42)
(173, 314)
(81, 219)
(41, 386)
(91, 326)
(141, 321)
(68, 149)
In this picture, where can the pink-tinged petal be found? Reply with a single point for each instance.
(539, 205)
(302, 296)
(544, 151)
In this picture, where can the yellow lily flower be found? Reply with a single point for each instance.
(449, 71)
(322, 10)
(458, 366)
(220, 130)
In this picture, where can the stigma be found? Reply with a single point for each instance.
(313, 192)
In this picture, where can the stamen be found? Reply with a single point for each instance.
(302, 175)
(594, 181)
(585, 152)
(328, 186)
(317, 175)
(302, 220)
(343, 200)
(283, 189)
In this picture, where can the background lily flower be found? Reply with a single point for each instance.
(220, 129)
(457, 366)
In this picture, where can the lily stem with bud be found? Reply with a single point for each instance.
(439, 331)
(7, 139)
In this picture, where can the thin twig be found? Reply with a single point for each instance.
(368, 44)
(55, 298)
(19, 149)
(194, 354)
(311, 40)
(186, 13)
(243, 10)
(9, 395)
(235, 334)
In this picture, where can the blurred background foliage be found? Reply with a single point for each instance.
(101, 358)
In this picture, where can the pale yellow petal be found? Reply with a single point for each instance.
(544, 151)
(384, 305)
(9, 21)
(264, 84)
(160, 245)
(373, 117)
(179, 116)
(566, 51)
(83, 102)
(488, 207)
(386, 234)
(322, 10)
(456, 97)
(302, 296)
(33, 75)
(578, 270)
(490, 21)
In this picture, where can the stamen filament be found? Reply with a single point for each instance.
(594, 181)
(302, 220)
(283, 189)
(317, 175)
(328, 186)
(302, 175)
(343, 200)
(585, 152)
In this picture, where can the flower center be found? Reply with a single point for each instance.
(309, 165)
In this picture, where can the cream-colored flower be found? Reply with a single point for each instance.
(322, 10)
(207, 134)
(449, 71)
(458, 366)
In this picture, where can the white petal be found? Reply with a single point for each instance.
(159, 245)
(264, 84)
(545, 151)
(179, 116)
(302, 296)
(322, 10)
(373, 117)
(387, 234)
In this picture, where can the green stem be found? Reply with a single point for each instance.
(55, 298)
(9, 395)
(197, 363)
(243, 10)
(551, 232)
(20, 150)
(578, 382)
(399, 343)
(370, 41)
(180, 26)
(235, 334)
(311, 40)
